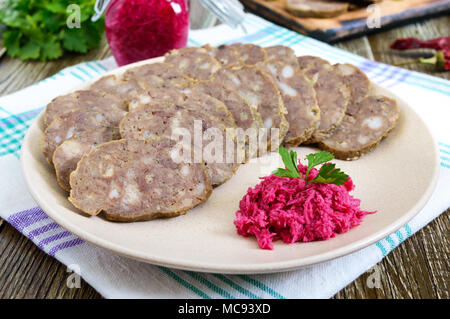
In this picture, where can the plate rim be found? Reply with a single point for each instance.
(270, 267)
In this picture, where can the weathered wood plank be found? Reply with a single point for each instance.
(360, 46)
(418, 268)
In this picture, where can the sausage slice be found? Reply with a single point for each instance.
(332, 93)
(281, 53)
(125, 90)
(365, 124)
(311, 65)
(357, 81)
(204, 133)
(227, 56)
(92, 100)
(250, 54)
(132, 180)
(261, 93)
(194, 62)
(244, 115)
(71, 124)
(316, 8)
(299, 99)
(188, 98)
(157, 75)
(69, 153)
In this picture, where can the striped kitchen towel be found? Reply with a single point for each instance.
(118, 277)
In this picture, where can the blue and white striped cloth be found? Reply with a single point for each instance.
(118, 277)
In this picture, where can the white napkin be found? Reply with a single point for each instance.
(118, 277)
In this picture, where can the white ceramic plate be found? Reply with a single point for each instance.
(396, 179)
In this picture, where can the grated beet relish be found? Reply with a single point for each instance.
(288, 209)
(143, 29)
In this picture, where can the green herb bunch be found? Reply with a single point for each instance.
(38, 29)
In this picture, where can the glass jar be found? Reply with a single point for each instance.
(142, 29)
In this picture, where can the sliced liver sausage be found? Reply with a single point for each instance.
(281, 53)
(316, 8)
(244, 115)
(91, 100)
(124, 90)
(194, 62)
(189, 125)
(157, 75)
(356, 80)
(132, 180)
(251, 54)
(69, 125)
(299, 99)
(310, 65)
(363, 127)
(262, 94)
(69, 153)
(225, 55)
(332, 93)
(188, 98)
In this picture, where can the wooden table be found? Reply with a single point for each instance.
(418, 268)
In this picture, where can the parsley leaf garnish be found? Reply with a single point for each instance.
(328, 173)
(38, 29)
(290, 162)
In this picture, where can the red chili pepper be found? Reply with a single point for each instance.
(442, 45)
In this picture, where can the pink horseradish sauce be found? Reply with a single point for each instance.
(287, 209)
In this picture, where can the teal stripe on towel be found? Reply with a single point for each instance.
(261, 286)
(184, 283)
(391, 242)
(399, 235)
(76, 75)
(381, 247)
(408, 230)
(202, 279)
(237, 287)
(84, 71)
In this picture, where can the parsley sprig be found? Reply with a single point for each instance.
(328, 173)
(37, 29)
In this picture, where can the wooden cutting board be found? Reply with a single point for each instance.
(352, 23)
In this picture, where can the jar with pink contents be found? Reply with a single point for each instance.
(142, 29)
